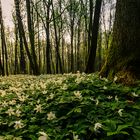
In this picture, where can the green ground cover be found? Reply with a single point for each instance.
(68, 107)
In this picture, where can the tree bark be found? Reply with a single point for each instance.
(95, 27)
(123, 58)
(57, 44)
(21, 28)
(72, 21)
(90, 24)
(4, 47)
(79, 42)
(47, 31)
(31, 34)
(16, 49)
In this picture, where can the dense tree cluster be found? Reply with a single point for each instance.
(56, 36)
(61, 36)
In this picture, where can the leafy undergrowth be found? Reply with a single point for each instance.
(68, 107)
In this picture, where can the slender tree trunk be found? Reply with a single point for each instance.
(85, 33)
(95, 27)
(39, 45)
(61, 37)
(63, 53)
(90, 25)
(75, 49)
(57, 43)
(4, 47)
(47, 30)
(21, 28)
(72, 20)
(16, 48)
(68, 58)
(31, 34)
(6, 56)
(22, 56)
(79, 39)
(1, 67)
(100, 50)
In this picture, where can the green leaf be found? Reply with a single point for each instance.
(124, 132)
(136, 133)
(78, 110)
(111, 125)
(111, 133)
(121, 127)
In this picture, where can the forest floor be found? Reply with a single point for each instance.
(68, 107)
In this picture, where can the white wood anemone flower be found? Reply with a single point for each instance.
(97, 102)
(109, 97)
(116, 98)
(120, 112)
(115, 78)
(18, 124)
(38, 108)
(75, 137)
(78, 94)
(97, 126)
(134, 94)
(51, 116)
(104, 87)
(43, 136)
(10, 111)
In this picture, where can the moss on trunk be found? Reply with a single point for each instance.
(123, 58)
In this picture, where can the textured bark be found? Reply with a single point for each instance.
(47, 30)
(1, 67)
(78, 43)
(39, 45)
(57, 43)
(16, 50)
(123, 58)
(61, 38)
(92, 54)
(4, 64)
(31, 34)
(90, 24)
(72, 21)
(21, 29)
(100, 50)
(22, 55)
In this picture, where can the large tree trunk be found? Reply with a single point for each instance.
(123, 58)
